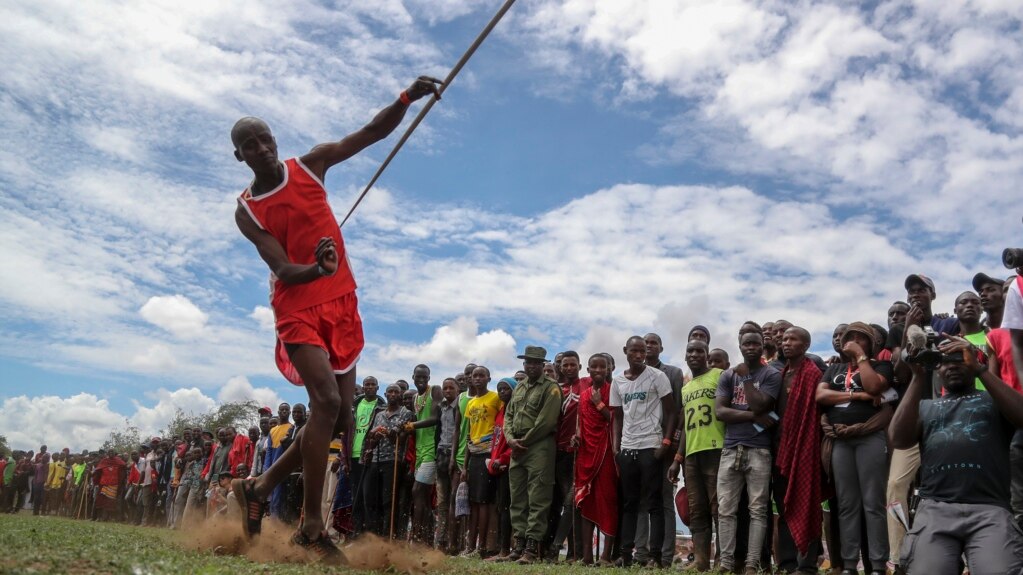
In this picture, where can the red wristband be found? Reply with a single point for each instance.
(601, 406)
(679, 458)
(404, 98)
(665, 441)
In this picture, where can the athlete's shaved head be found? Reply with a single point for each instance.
(244, 127)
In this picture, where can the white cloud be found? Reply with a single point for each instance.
(264, 316)
(456, 344)
(155, 358)
(240, 389)
(904, 104)
(80, 421)
(84, 420)
(189, 400)
(630, 266)
(176, 314)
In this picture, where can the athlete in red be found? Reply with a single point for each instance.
(285, 213)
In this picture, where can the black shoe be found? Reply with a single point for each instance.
(531, 554)
(322, 547)
(518, 548)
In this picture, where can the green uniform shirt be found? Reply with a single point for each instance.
(9, 471)
(426, 437)
(533, 411)
(463, 429)
(703, 430)
(363, 419)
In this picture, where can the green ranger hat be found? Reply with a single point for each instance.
(534, 352)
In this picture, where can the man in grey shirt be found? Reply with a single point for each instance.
(379, 476)
(745, 399)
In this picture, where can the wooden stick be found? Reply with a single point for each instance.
(426, 109)
(394, 485)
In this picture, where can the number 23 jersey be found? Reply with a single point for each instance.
(703, 430)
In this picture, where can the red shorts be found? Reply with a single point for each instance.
(334, 326)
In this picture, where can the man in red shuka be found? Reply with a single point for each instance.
(596, 473)
(285, 213)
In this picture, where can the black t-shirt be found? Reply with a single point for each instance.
(964, 451)
(856, 411)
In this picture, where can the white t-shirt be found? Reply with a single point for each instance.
(1012, 317)
(640, 401)
(147, 474)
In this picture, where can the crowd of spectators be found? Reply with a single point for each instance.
(896, 453)
(164, 481)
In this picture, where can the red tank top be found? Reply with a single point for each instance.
(297, 214)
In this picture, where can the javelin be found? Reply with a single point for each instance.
(426, 109)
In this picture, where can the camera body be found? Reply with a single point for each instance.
(926, 347)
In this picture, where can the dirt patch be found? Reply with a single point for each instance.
(223, 536)
(373, 553)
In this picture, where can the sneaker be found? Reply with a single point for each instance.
(322, 547)
(254, 508)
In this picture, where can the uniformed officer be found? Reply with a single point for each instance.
(531, 419)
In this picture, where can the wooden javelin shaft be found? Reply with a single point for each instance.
(426, 109)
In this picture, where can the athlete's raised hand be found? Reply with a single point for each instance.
(424, 86)
(326, 255)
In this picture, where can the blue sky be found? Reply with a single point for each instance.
(600, 168)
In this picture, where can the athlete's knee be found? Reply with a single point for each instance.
(327, 401)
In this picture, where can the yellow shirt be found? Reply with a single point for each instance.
(55, 477)
(482, 412)
(278, 433)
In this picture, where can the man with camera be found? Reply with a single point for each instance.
(963, 440)
(920, 294)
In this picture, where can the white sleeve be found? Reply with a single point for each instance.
(1012, 317)
(614, 399)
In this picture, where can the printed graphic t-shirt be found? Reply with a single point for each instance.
(640, 401)
(703, 430)
(964, 451)
(767, 380)
(481, 412)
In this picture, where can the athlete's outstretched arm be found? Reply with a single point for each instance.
(276, 258)
(323, 156)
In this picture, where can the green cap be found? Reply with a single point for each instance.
(534, 352)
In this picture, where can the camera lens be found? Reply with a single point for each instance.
(1012, 258)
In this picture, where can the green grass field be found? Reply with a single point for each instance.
(54, 545)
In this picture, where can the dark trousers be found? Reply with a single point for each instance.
(406, 479)
(564, 520)
(357, 470)
(789, 559)
(378, 478)
(38, 498)
(504, 527)
(638, 470)
(1016, 468)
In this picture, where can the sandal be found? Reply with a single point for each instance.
(323, 547)
(255, 507)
